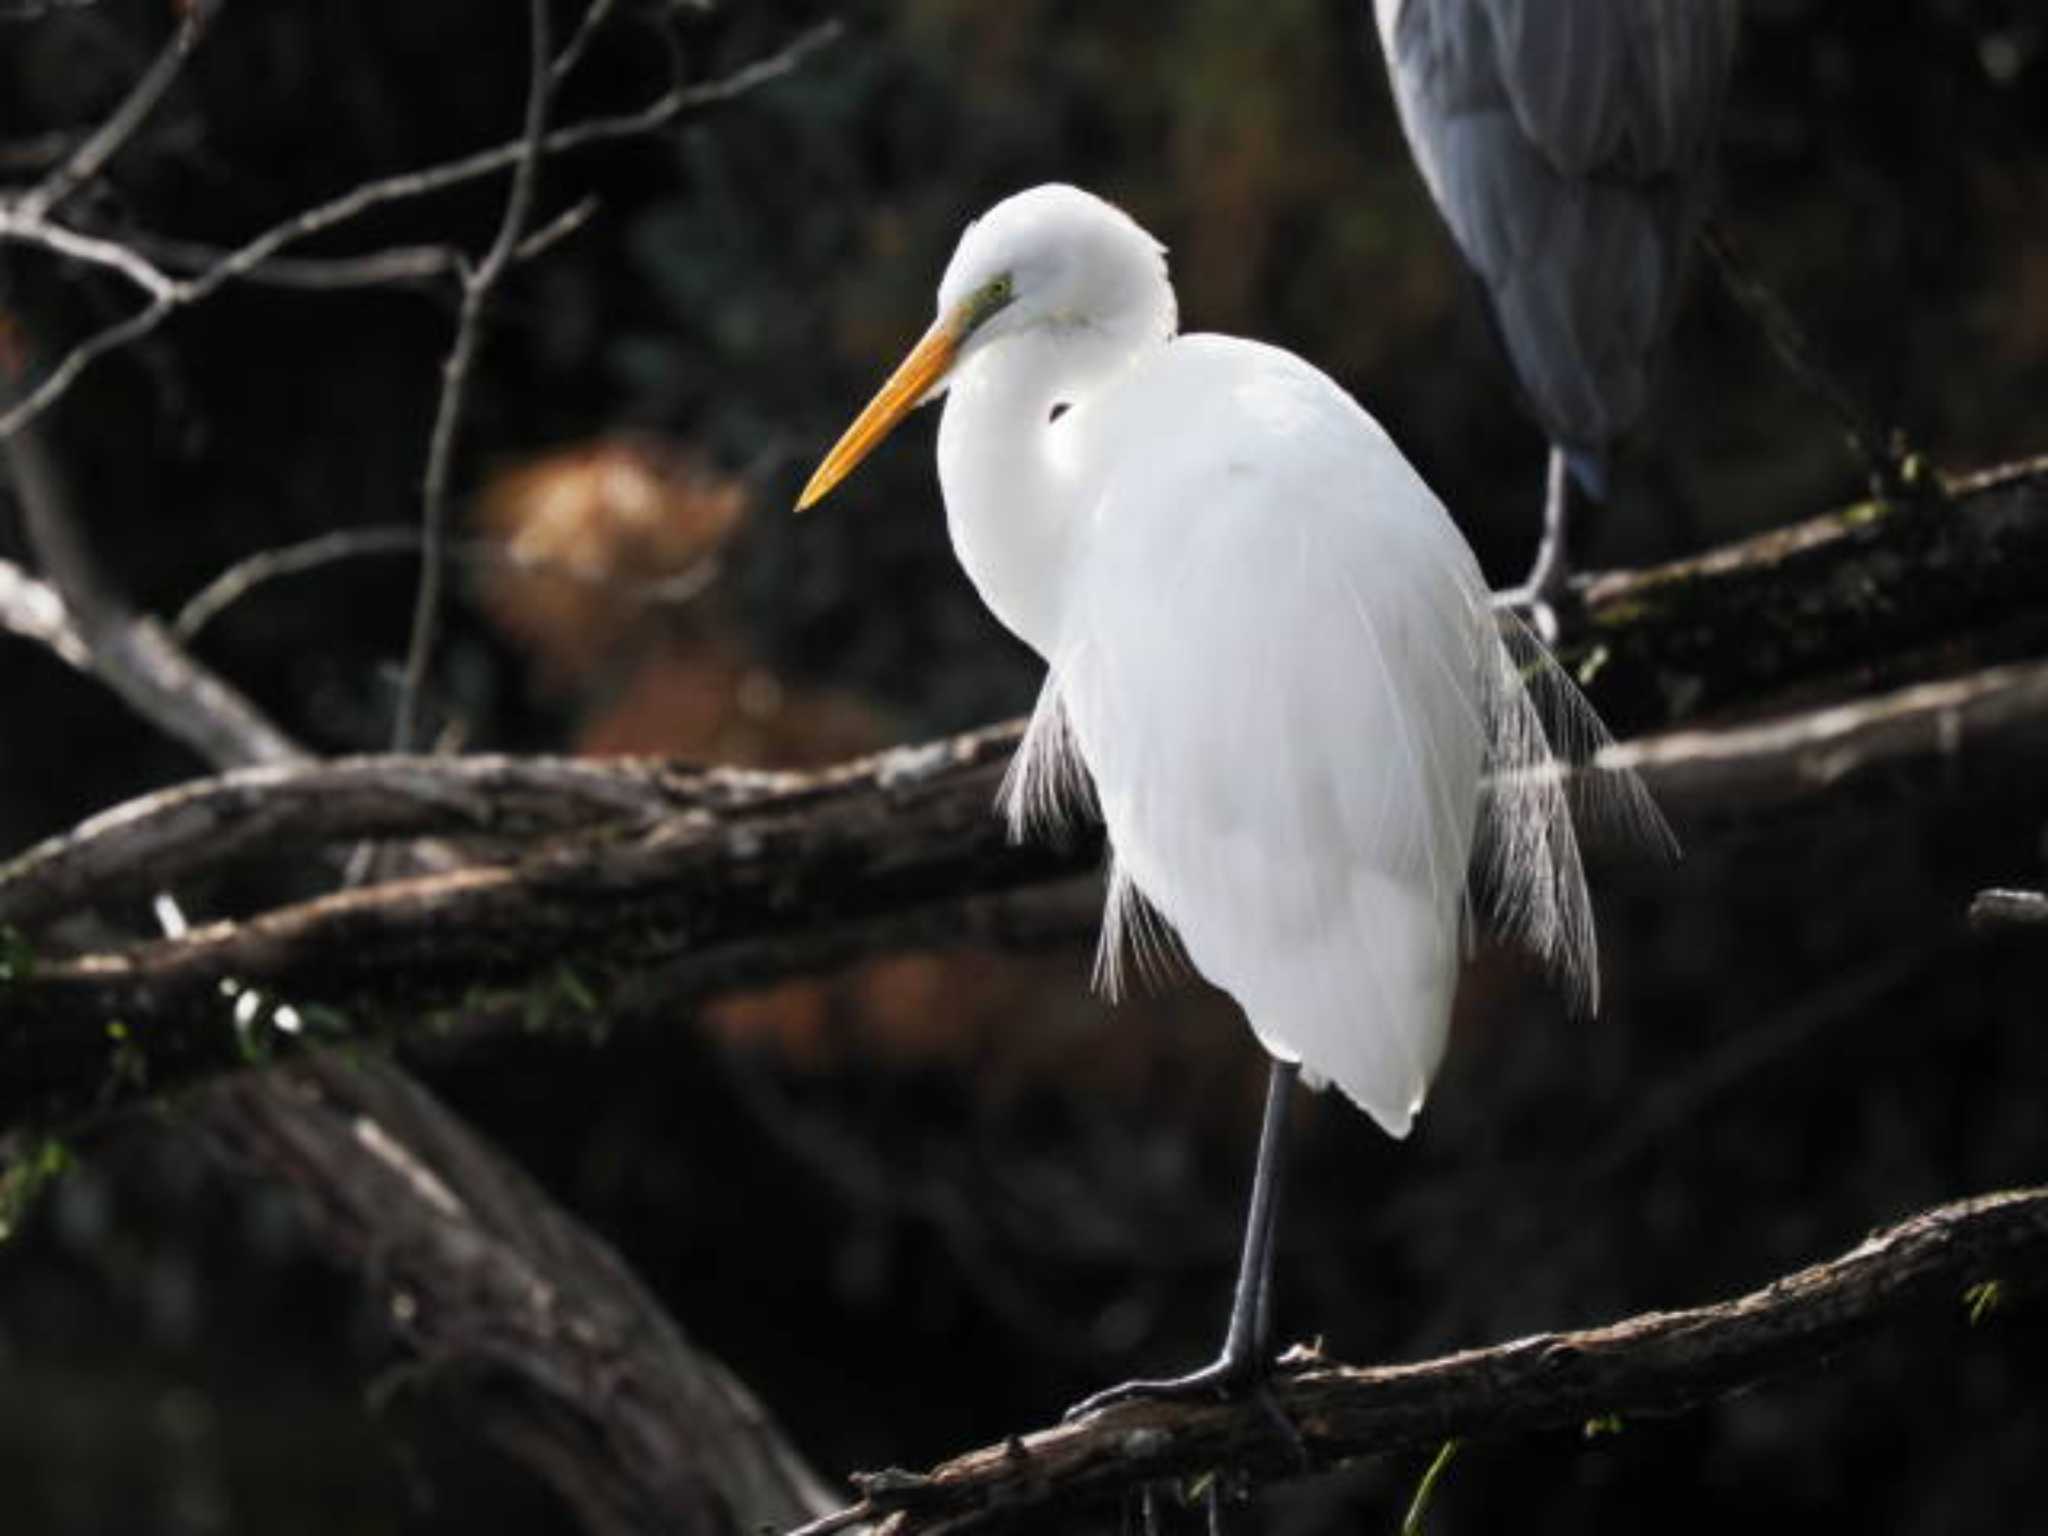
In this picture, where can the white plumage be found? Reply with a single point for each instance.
(1270, 656)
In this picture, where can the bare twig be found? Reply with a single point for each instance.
(133, 655)
(22, 227)
(1892, 472)
(594, 18)
(672, 105)
(32, 609)
(246, 575)
(1922, 1272)
(584, 1376)
(477, 286)
(555, 231)
(315, 274)
(104, 142)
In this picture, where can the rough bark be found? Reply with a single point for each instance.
(1965, 1260)
(702, 882)
(560, 1355)
(1845, 592)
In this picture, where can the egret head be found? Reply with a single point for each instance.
(1053, 260)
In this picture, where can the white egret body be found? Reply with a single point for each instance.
(1267, 645)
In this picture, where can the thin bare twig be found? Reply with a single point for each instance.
(477, 287)
(244, 260)
(22, 227)
(555, 231)
(572, 52)
(1892, 472)
(316, 274)
(107, 140)
(132, 654)
(35, 610)
(246, 575)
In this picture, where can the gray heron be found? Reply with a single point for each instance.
(1567, 144)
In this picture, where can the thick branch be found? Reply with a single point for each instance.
(571, 1365)
(1962, 1260)
(697, 882)
(1835, 594)
(1995, 910)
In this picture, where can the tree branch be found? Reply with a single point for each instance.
(106, 141)
(1993, 911)
(565, 1359)
(1842, 593)
(683, 882)
(587, 1379)
(132, 654)
(1962, 1260)
(477, 286)
(678, 102)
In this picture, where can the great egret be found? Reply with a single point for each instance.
(1268, 648)
(1567, 144)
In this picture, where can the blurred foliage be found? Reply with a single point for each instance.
(930, 1202)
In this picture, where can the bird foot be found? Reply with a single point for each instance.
(1224, 1378)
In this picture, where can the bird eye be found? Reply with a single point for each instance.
(992, 296)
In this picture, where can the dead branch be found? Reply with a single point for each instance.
(268, 565)
(1960, 1261)
(106, 141)
(690, 882)
(1993, 911)
(673, 105)
(1840, 597)
(565, 1359)
(31, 609)
(1922, 735)
(477, 286)
(131, 653)
(487, 1278)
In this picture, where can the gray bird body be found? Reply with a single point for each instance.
(1567, 143)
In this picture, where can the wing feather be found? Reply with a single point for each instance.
(1566, 144)
(1315, 749)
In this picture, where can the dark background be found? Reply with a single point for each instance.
(933, 1200)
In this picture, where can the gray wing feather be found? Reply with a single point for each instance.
(1567, 143)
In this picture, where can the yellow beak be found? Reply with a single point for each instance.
(929, 362)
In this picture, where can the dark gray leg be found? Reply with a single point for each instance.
(1247, 1344)
(1551, 575)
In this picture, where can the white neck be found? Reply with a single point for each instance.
(1017, 485)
